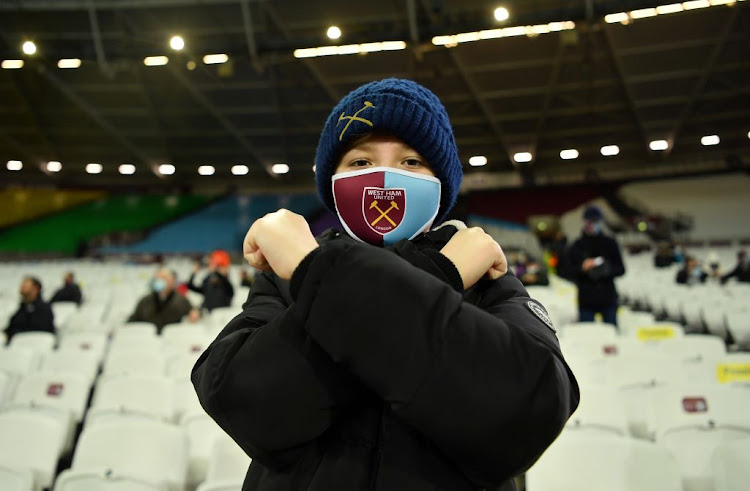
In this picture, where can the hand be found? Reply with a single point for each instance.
(196, 267)
(588, 264)
(475, 254)
(194, 315)
(278, 242)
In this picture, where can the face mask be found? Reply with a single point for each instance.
(593, 228)
(158, 285)
(382, 206)
(697, 272)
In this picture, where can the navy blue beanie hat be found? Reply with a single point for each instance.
(593, 212)
(404, 109)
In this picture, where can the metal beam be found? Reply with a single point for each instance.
(247, 22)
(32, 5)
(477, 97)
(327, 87)
(32, 110)
(101, 58)
(609, 42)
(93, 114)
(700, 85)
(550, 92)
(154, 115)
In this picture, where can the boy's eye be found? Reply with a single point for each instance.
(359, 163)
(412, 163)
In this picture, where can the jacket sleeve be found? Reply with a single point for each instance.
(228, 288)
(731, 274)
(487, 384)
(617, 267)
(192, 286)
(266, 383)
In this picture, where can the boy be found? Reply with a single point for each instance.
(390, 357)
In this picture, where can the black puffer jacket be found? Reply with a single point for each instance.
(373, 370)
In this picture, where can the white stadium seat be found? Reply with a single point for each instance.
(62, 312)
(85, 363)
(16, 479)
(588, 331)
(32, 440)
(103, 480)
(140, 396)
(145, 450)
(7, 386)
(584, 462)
(135, 363)
(730, 465)
(600, 410)
(228, 464)
(37, 341)
(68, 391)
(695, 347)
(203, 433)
(86, 342)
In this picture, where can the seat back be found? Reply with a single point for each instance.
(103, 480)
(62, 390)
(38, 341)
(150, 396)
(730, 465)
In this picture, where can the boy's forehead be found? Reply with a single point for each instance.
(380, 141)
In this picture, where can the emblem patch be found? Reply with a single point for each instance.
(541, 314)
(383, 209)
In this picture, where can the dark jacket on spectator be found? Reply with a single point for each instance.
(686, 278)
(741, 272)
(152, 308)
(216, 289)
(70, 292)
(34, 316)
(596, 287)
(372, 369)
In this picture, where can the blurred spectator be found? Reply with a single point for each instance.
(246, 279)
(593, 262)
(164, 305)
(741, 271)
(557, 250)
(69, 292)
(665, 255)
(34, 314)
(691, 273)
(535, 273)
(216, 289)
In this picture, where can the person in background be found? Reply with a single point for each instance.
(557, 250)
(535, 273)
(163, 305)
(741, 271)
(34, 314)
(665, 255)
(593, 262)
(691, 273)
(246, 279)
(69, 292)
(216, 289)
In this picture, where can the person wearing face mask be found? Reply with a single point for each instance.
(691, 273)
(593, 262)
(216, 289)
(34, 314)
(741, 271)
(163, 305)
(398, 353)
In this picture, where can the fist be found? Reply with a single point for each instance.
(278, 242)
(588, 264)
(475, 254)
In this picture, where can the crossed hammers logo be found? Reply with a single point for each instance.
(383, 214)
(353, 118)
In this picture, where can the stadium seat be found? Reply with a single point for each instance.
(7, 386)
(137, 395)
(644, 370)
(203, 433)
(186, 399)
(3, 338)
(145, 450)
(588, 331)
(135, 363)
(32, 440)
(733, 368)
(17, 362)
(657, 332)
(716, 322)
(228, 465)
(730, 465)
(85, 341)
(694, 347)
(583, 462)
(180, 366)
(185, 339)
(84, 363)
(38, 341)
(62, 312)
(64, 390)
(16, 479)
(600, 410)
(738, 325)
(103, 480)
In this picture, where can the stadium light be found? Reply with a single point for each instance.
(279, 168)
(240, 170)
(643, 13)
(349, 49)
(54, 166)
(333, 32)
(177, 43)
(14, 165)
(523, 157)
(12, 64)
(28, 47)
(610, 150)
(155, 60)
(658, 145)
(126, 169)
(166, 169)
(569, 154)
(94, 168)
(709, 140)
(501, 14)
(69, 63)
(478, 161)
(206, 170)
(215, 59)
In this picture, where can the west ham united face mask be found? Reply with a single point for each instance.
(381, 206)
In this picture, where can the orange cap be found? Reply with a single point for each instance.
(220, 258)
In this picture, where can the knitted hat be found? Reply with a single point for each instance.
(593, 213)
(404, 109)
